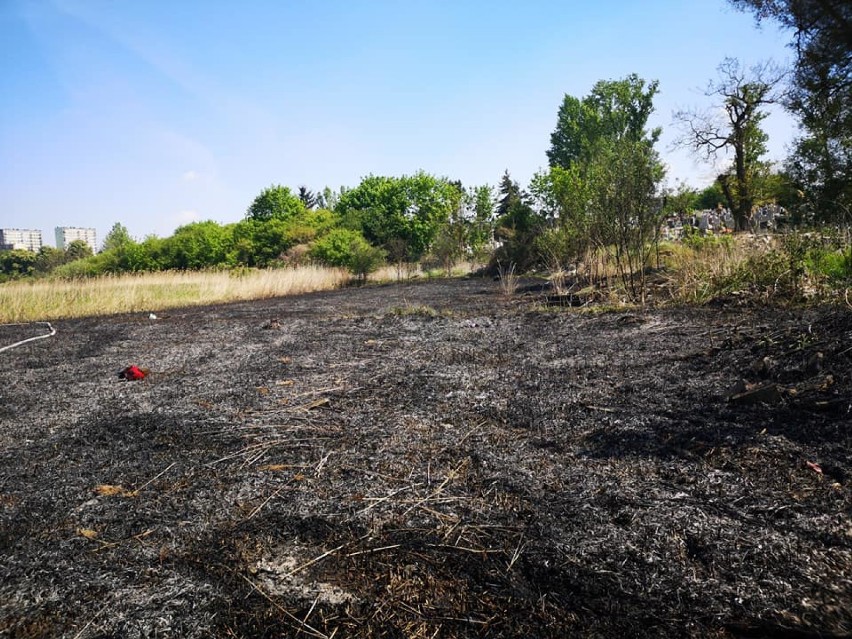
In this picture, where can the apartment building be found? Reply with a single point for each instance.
(20, 239)
(67, 234)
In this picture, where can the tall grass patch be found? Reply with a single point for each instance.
(63, 298)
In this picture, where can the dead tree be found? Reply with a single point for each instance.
(733, 126)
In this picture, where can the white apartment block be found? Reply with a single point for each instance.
(67, 234)
(20, 239)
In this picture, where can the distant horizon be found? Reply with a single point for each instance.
(156, 115)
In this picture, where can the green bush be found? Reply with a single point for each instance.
(347, 249)
(833, 266)
(365, 259)
(694, 240)
(335, 247)
(78, 269)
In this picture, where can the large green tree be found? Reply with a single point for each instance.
(733, 126)
(117, 237)
(16, 263)
(613, 110)
(604, 175)
(77, 250)
(275, 202)
(407, 211)
(517, 226)
(198, 245)
(821, 96)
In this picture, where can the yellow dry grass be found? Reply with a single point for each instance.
(41, 300)
(696, 272)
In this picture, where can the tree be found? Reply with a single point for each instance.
(681, 200)
(16, 263)
(275, 202)
(480, 212)
(77, 250)
(328, 199)
(613, 110)
(307, 197)
(510, 195)
(517, 226)
(345, 248)
(49, 258)
(198, 245)
(451, 242)
(821, 96)
(118, 237)
(625, 206)
(710, 198)
(603, 177)
(743, 97)
(407, 210)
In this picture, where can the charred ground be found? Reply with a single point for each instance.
(428, 460)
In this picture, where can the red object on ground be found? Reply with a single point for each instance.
(133, 373)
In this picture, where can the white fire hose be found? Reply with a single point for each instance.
(29, 339)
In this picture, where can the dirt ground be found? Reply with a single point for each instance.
(428, 460)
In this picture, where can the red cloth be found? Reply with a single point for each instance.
(133, 373)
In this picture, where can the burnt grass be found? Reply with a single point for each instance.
(428, 460)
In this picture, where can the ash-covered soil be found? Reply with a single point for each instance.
(428, 460)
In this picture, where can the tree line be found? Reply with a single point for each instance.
(600, 195)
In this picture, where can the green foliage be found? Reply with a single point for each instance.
(742, 96)
(136, 257)
(347, 249)
(49, 258)
(450, 244)
(92, 266)
(275, 202)
(409, 209)
(517, 227)
(801, 264)
(603, 177)
(17, 263)
(820, 94)
(263, 243)
(835, 266)
(414, 310)
(682, 200)
(698, 242)
(307, 197)
(365, 260)
(614, 110)
(117, 238)
(197, 246)
(336, 247)
(480, 202)
(77, 250)
(556, 247)
(710, 198)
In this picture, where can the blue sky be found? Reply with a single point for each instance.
(158, 113)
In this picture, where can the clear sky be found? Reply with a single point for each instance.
(157, 113)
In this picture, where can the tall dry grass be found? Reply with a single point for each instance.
(413, 270)
(698, 272)
(36, 300)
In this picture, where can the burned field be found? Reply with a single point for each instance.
(428, 460)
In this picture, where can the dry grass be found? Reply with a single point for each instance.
(508, 279)
(696, 272)
(410, 271)
(56, 299)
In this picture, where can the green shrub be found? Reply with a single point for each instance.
(365, 259)
(335, 248)
(347, 249)
(78, 269)
(698, 242)
(833, 266)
